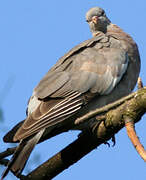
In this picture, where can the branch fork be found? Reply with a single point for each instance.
(124, 112)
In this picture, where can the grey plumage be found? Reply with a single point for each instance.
(22, 153)
(92, 74)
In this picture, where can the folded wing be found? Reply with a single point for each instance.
(82, 74)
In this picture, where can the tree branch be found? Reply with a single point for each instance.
(130, 127)
(135, 140)
(104, 109)
(114, 120)
(4, 162)
(7, 153)
(113, 117)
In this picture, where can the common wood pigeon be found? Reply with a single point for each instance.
(92, 74)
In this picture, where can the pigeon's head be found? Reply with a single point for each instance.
(97, 20)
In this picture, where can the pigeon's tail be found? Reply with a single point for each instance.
(21, 155)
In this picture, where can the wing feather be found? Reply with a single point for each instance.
(59, 112)
(89, 68)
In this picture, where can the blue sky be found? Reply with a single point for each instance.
(33, 35)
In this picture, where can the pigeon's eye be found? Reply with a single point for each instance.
(87, 21)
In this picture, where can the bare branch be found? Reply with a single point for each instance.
(104, 109)
(139, 83)
(135, 140)
(7, 153)
(114, 121)
(4, 162)
(112, 118)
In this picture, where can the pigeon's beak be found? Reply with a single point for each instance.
(95, 19)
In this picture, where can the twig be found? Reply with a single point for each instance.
(84, 144)
(139, 83)
(6, 153)
(136, 107)
(135, 140)
(4, 162)
(104, 109)
(130, 127)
